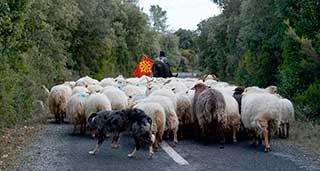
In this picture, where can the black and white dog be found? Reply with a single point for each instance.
(115, 122)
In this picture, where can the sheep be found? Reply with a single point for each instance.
(107, 82)
(151, 88)
(58, 98)
(260, 112)
(76, 111)
(287, 117)
(80, 89)
(131, 91)
(95, 88)
(209, 77)
(231, 116)
(133, 81)
(71, 84)
(121, 82)
(86, 81)
(211, 83)
(209, 107)
(184, 113)
(172, 121)
(96, 102)
(118, 98)
(157, 113)
(176, 86)
(270, 89)
(166, 93)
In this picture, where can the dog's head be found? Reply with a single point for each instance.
(141, 126)
(92, 123)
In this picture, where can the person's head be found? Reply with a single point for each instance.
(162, 54)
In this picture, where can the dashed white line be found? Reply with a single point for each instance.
(173, 154)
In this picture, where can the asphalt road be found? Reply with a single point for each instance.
(57, 149)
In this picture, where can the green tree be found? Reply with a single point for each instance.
(158, 18)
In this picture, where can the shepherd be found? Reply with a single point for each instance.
(161, 66)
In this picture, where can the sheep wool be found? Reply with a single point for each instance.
(96, 102)
(58, 99)
(76, 111)
(157, 113)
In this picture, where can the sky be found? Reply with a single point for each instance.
(184, 14)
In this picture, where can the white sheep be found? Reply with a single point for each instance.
(86, 81)
(184, 113)
(58, 99)
(172, 121)
(96, 102)
(76, 111)
(176, 86)
(71, 84)
(166, 93)
(131, 91)
(95, 88)
(107, 82)
(287, 117)
(157, 113)
(231, 116)
(260, 112)
(80, 89)
(118, 98)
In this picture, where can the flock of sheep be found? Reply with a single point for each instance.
(209, 107)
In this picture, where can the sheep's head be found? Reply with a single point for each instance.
(249, 90)
(239, 90)
(272, 89)
(199, 87)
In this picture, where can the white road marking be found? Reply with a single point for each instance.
(173, 154)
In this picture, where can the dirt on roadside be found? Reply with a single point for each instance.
(15, 140)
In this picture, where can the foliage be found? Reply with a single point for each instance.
(47, 42)
(271, 43)
(158, 18)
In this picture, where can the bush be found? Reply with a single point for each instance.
(308, 102)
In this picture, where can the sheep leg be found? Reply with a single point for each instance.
(281, 131)
(260, 139)
(234, 134)
(266, 140)
(84, 128)
(221, 136)
(115, 140)
(74, 129)
(168, 134)
(287, 128)
(81, 128)
(254, 139)
(56, 116)
(159, 135)
(156, 144)
(175, 136)
(204, 135)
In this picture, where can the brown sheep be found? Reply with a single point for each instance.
(209, 106)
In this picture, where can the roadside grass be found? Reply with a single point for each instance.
(306, 134)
